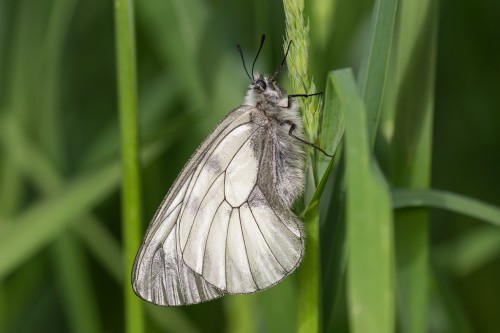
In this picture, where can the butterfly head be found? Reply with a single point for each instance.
(264, 91)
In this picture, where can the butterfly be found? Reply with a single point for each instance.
(226, 225)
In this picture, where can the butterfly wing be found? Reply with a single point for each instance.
(220, 229)
(159, 274)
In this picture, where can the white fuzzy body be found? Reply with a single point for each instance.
(288, 152)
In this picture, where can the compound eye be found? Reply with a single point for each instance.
(261, 83)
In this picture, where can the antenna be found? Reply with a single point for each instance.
(243, 60)
(280, 67)
(258, 52)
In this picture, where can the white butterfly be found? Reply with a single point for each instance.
(225, 226)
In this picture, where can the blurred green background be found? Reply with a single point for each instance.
(60, 262)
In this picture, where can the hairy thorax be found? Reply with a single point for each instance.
(286, 175)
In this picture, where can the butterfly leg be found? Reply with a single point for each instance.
(290, 132)
(301, 95)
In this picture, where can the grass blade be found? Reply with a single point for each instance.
(332, 131)
(372, 82)
(410, 147)
(239, 309)
(373, 73)
(332, 204)
(131, 196)
(40, 224)
(308, 276)
(178, 29)
(448, 314)
(333, 248)
(369, 221)
(15, 105)
(72, 269)
(77, 293)
(405, 198)
(470, 251)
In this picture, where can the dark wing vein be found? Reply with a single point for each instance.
(245, 247)
(198, 209)
(265, 240)
(153, 231)
(225, 250)
(205, 162)
(279, 218)
(217, 177)
(208, 235)
(194, 184)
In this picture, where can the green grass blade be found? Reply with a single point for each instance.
(241, 317)
(449, 314)
(308, 276)
(333, 248)
(410, 147)
(131, 195)
(321, 12)
(275, 304)
(32, 162)
(469, 251)
(171, 319)
(102, 245)
(332, 204)
(369, 221)
(332, 131)
(372, 82)
(333, 123)
(72, 270)
(405, 198)
(49, 81)
(158, 96)
(40, 224)
(373, 73)
(76, 287)
(178, 28)
(15, 104)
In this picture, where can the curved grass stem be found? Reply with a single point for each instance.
(131, 203)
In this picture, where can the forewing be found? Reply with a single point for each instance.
(159, 274)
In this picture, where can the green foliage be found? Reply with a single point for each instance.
(420, 124)
(368, 219)
(126, 61)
